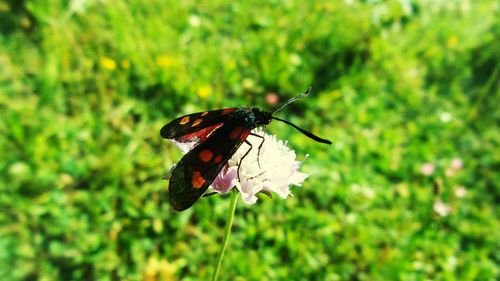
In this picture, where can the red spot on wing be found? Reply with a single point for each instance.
(200, 135)
(197, 180)
(217, 159)
(184, 120)
(227, 110)
(206, 155)
(236, 132)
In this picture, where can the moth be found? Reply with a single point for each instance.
(216, 135)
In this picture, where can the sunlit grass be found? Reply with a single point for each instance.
(405, 92)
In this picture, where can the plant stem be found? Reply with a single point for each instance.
(227, 231)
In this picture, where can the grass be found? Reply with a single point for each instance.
(397, 85)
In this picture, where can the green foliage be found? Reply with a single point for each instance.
(399, 86)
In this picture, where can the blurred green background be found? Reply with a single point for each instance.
(406, 90)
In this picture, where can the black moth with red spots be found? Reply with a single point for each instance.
(217, 135)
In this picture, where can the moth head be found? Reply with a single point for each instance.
(262, 117)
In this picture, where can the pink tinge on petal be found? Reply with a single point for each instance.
(248, 191)
(223, 183)
(249, 198)
(457, 163)
(427, 169)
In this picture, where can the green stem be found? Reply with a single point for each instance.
(227, 231)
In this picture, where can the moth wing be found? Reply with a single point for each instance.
(198, 168)
(197, 126)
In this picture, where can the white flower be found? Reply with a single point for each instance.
(441, 208)
(427, 169)
(445, 117)
(277, 171)
(460, 192)
(278, 168)
(194, 20)
(457, 163)
(451, 263)
(449, 172)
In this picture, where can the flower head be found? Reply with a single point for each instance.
(427, 169)
(271, 170)
(441, 208)
(457, 163)
(272, 99)
(205, 91)
(107, 63)
(460, 192)
(274, 169)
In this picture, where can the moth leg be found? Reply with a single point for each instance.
(260, 146)
(241, 160)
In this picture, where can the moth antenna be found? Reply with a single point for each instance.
(309, 134)
(305, 94)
